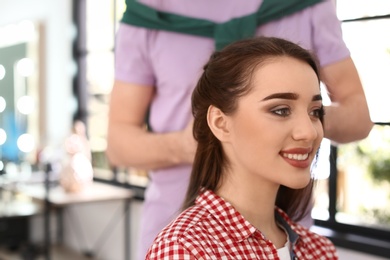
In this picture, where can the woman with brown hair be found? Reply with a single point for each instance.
(258, 121)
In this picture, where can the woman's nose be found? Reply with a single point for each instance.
(305, 128)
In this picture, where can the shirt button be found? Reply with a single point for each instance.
(295, 258)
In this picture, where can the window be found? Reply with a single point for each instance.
(355, 199)
(101, 24)
(97, 23)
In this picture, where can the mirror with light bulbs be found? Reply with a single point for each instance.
(20, 93)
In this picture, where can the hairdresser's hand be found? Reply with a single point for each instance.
(189, 143)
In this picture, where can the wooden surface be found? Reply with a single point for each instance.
(92, 193)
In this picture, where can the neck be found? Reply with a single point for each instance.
(257, 207)
(255, 201)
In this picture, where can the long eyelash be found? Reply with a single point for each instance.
(322, 111)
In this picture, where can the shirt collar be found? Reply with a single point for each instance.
(295, 231)
(286, 223)
(238, 228)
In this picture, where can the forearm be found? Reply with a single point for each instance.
(349, 121)
(131, 146)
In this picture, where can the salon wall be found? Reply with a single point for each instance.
(55, 16)
(58, 67)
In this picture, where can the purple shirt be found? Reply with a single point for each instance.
(173, 62)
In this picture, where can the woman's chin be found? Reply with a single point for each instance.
(299, 184)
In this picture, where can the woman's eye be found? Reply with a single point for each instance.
(318, 113)
(284, 112)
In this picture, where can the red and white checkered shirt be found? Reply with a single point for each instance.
(213, 229)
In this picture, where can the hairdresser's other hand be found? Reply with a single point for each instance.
(130, 144)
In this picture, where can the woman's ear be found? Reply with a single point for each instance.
(218, 123)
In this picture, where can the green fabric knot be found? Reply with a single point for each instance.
(238, 28)
(233, 30)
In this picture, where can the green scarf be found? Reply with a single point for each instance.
(141, 15)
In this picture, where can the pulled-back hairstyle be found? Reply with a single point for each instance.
(227, 76)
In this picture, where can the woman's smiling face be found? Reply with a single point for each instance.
(276, 130)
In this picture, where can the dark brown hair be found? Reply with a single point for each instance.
(227, 76)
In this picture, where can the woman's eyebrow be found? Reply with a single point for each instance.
(286, 95)
(290, 96)
(317, 97)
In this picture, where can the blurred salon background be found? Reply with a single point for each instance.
(57, 68)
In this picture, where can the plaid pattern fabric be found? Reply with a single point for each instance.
(213, 229)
